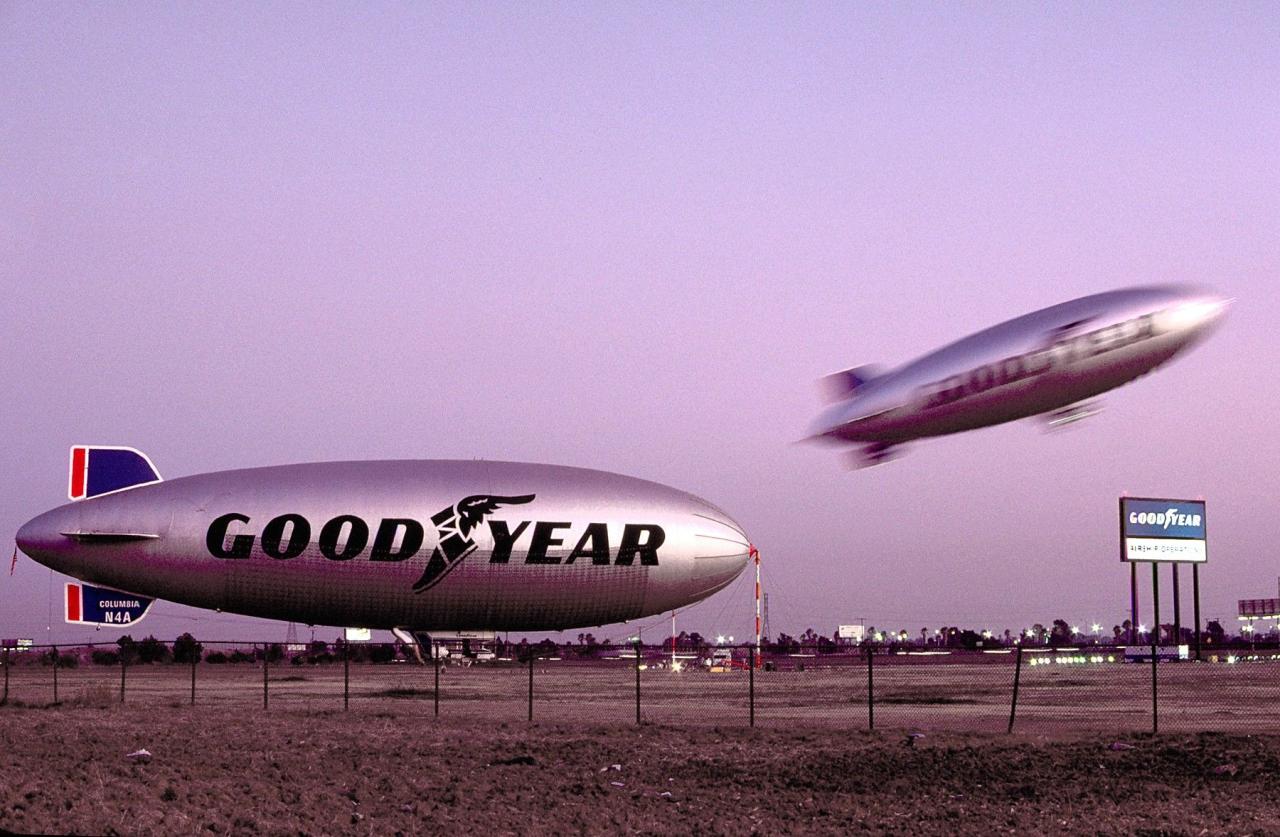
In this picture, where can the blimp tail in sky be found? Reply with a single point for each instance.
(418, 545)
(1047, 363)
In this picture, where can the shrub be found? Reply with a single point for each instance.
(101, 657)
(128, 649)
(152, 650)
(186, 649)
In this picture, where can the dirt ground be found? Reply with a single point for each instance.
(397, 771)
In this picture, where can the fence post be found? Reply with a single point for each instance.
(530, 685)
(435, 695)
(124, 666)
(1017, 676)
(346, 677)
(1155, 715)
(751, 682)
(264, 675)
(195, 656)
(6, 678)
(871, 689)
(637, 682)
(55, 674)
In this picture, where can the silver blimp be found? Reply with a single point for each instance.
(1048, 363)
(413, 545)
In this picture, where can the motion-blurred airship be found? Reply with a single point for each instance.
(1048, 363)
(413, 545)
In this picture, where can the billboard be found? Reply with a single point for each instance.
(1259, 608)
(853, 632)
(1162, 530)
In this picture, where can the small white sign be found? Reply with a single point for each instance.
(358, 634)
(854, 632)
(1164, 549)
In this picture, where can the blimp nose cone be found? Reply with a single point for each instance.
(724, 551)
(41, 538)
(33, 537)
(1197, 315)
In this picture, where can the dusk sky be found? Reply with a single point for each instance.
(632, 237)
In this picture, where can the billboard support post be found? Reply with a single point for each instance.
(1133, 604)
(1195, 598)
(55, 674)
(1177, 607)
(6, 678)
(1155, 603)
(1155, 703)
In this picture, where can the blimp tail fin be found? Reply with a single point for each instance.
(85, 604)
(102, 469)
(840, 385)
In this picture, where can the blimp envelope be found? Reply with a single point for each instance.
(90, 605)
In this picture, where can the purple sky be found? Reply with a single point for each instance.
(632, 239)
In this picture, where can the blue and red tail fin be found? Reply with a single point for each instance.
(840, 385)
(86, 604)
(102, 469)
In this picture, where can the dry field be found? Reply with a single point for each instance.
(1080, 761)
(391, 769)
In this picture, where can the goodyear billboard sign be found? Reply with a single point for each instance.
(1162, 530)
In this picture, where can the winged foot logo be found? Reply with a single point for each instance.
(454, 525)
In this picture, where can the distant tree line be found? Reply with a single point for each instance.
(1058, 634)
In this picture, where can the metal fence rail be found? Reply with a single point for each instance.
(1001, 690)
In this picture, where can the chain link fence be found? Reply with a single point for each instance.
(1095, 689)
